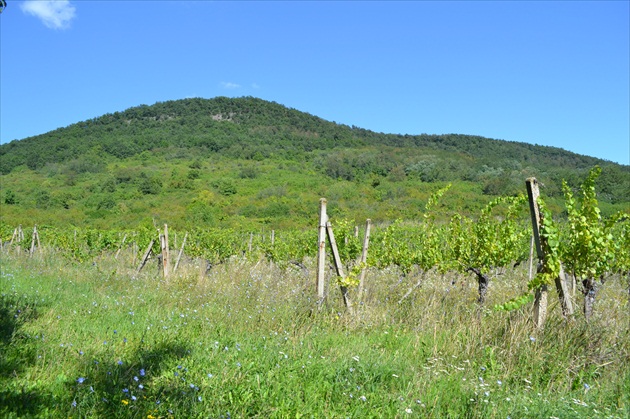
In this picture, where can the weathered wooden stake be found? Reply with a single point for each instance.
(339, 267)
(531, 259)
(146, 255)
(121, 246)
(321, 250)
(363, 260)
(181, 251)
(165, 253)
(540, 301)
(34, 240)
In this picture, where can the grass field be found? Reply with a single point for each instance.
(247, 340)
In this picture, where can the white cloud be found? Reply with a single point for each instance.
(55, 14)
(255, 86)
(230, 85)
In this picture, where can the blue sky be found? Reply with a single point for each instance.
(550, 73)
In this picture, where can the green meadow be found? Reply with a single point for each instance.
(248, 339)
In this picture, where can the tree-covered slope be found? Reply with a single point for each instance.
(263, 161)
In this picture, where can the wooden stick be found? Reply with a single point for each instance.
(32, 250)
(321, 250)
(363, 260)
(540, 301)
(146, 255)
(181, 251)
(121, 246)
(339, 267)
(165, 252)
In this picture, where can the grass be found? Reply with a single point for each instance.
(247, 340)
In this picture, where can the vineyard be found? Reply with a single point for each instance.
(477, 278)
(592, 249)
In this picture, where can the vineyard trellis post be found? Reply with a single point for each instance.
(363, 260)
(338, 267)
(321, 250)
(540, 301)
(146, 255)
(541, 293)
(34, 240)
(121, 246)
(181, 251)
(165, 255)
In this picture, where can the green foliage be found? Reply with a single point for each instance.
(589, 250)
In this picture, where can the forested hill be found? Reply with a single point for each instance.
(246, 160)
(245, 127)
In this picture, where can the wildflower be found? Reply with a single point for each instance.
(363, 398)
(80, 380)
(125, 390)
(408, 410)
(125, 401)
(133, 398)
(210, 375)
(119, 362)
(140, 386)
(74, 403)
(142, 372)
(499, 382)
(135, 378)
(199, 398)
(533, 339)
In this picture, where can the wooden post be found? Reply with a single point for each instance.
(121, 246)
(165, 255)
(146, 255)
(251, 240)
(321, 250)
(34, 240)
(339, 267)
(540, 301)
(273, 237)
(531, 259)
(181, 251)
(363, 260)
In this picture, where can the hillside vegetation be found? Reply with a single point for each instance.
(248, 163)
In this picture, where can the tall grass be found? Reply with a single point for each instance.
(248, 340)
